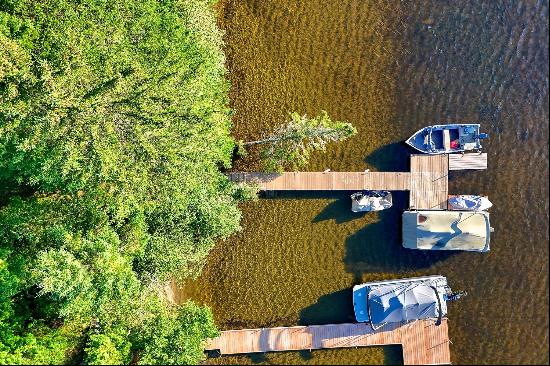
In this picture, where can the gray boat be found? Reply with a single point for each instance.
(403, 300)
(447, 139)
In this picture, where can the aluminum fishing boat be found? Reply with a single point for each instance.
(447, 139)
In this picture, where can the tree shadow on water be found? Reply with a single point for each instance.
(378, 246)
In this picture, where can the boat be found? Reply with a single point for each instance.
(469, 203)
(369, 201)
(447, 230)
(402, 300)
(446, 139)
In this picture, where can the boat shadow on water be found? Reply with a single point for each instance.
(378, 247)
(338, 210)
(337, 307)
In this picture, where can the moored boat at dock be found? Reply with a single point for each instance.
(447, 230)
(368, 201)
(466, 202)
(403, 300)
(446, 139)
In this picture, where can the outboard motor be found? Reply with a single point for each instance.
(483, 136)
(452, 296)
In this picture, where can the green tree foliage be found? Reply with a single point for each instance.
(24, 339)
(291, 145)
(108, 349)
(128, 96)
(169, 342)
(113, 127)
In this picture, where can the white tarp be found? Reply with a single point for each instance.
(470, 202)
(367, 202)
(446, 230)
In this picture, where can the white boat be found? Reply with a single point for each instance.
(369, 201)
(447, 139)
(469, 203)
(403, 300)
(447, 230)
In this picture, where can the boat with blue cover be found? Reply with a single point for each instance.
(403, 300)
(447, 139)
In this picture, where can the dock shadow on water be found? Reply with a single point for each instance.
(338, 209)
(337, 307)
(394, 157)
(393, 355)
(378, 247)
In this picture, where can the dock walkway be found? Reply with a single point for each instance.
(423, 342)
(427, 180)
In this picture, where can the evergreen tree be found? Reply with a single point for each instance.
(291, 145)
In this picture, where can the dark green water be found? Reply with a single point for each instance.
(390, 68)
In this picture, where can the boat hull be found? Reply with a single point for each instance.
(446, 139)
(469, 203)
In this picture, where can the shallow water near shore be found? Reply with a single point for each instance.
(389, 68)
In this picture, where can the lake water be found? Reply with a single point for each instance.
(389, 68)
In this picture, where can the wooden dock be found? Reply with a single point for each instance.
(329, 181)
(423, 342)
(427, 180)
(468, 161)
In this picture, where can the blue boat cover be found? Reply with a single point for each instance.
(401, 300)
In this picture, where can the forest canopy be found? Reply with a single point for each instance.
(113, 128)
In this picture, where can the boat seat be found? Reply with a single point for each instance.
(446, 140)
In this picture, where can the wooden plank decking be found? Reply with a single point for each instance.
(329, 181)
(467, 161)
(423, 342)
(429, 182)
